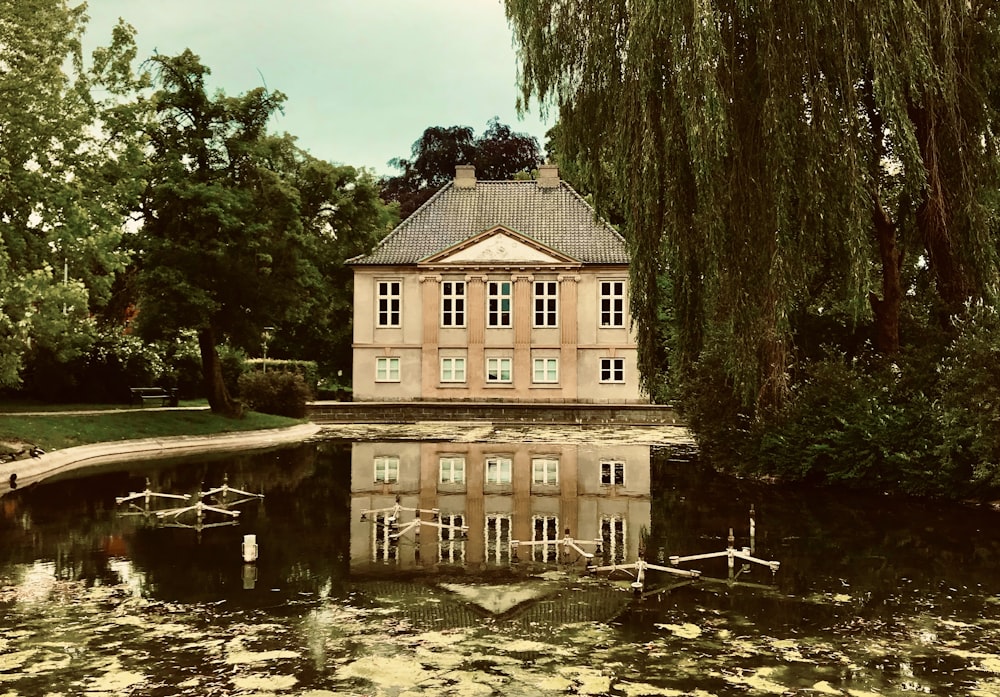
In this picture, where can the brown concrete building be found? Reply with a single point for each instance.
(496, 291)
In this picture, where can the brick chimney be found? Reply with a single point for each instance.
(465, 177)
(548, 177)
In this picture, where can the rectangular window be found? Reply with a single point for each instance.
(498, 470)
(612, 370)
(612, 473)
(613, 539)
(546, 303)
(544, 471)
(387, 469)
(497, 538)
(546, 529)
(452, 470)
(386, 369)
(498, 370)
(498, 302)
(546, 370)
(612, 303)
(453, 304)
(383, 543)
(452, 369)
(389, 300)
(451, 536)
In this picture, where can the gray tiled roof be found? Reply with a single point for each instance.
(556, 217)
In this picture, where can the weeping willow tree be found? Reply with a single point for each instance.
(773, 157)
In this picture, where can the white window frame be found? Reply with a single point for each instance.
(388, 303)
(545, 529)
(499, 469)
(453, 369)
(612, 303)
(451, 470)
(544, 375)
(497, 530)
(452, 304)
(496, 315)
(614, 538)
(497, 366)
(386, 469)
(451, 538)
(612, 473)
(544, 471)
(387, 369)
(546, 304)
(612, 370)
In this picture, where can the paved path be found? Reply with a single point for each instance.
(34, 469)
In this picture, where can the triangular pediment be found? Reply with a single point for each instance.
(501, 599)
(498, 245)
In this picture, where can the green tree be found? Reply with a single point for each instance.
(497, 154)
(779, 162)
(223, 249)
(69, 133)
(342, 216)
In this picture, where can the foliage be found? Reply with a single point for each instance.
(309, 370)
(69, 147)
(498, 154)
(275, 392)
(804, 187)
(772, 159)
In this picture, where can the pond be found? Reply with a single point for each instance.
(487, 566)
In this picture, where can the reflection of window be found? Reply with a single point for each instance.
(453, 304)
(451, 538)
(498, 538)
(383, 545)
(612, 303)
(612, 473)
(612, 370)
(545, 529)
(452, 470)
(388, 303)
(613, 540)
(498, 369)
(452, 370)
(386, 469)
(498, 470)
(546, 370)
(546, 303)
(544, 471)
(498, 304)
(386, 369)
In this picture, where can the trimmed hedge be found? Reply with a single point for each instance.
(275, 392)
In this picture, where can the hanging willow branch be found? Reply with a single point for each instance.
(738, 138)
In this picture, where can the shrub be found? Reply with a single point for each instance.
(234, 365)
(309, 370)
(275, 392)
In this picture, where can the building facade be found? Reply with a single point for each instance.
(496, 291)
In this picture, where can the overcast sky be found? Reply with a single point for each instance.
(363, 78)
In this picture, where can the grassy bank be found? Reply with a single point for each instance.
(57, 431)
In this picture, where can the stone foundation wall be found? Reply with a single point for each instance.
(539, 413)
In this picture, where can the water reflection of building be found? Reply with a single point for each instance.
(500, 492)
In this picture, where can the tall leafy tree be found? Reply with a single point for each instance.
(497, 154)
(779, 160)
(222, 244)
(69, 133)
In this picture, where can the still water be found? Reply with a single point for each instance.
(447, 568)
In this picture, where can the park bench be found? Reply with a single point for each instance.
(153, 395)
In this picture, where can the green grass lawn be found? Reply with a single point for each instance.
(61, 430)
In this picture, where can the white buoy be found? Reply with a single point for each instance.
(249, 548)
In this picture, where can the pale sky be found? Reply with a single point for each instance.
(363, 78)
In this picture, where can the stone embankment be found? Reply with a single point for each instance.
(32, 469)
(554, 413)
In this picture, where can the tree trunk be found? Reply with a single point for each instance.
(211, 369)
(934, 215)
(887, 307)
